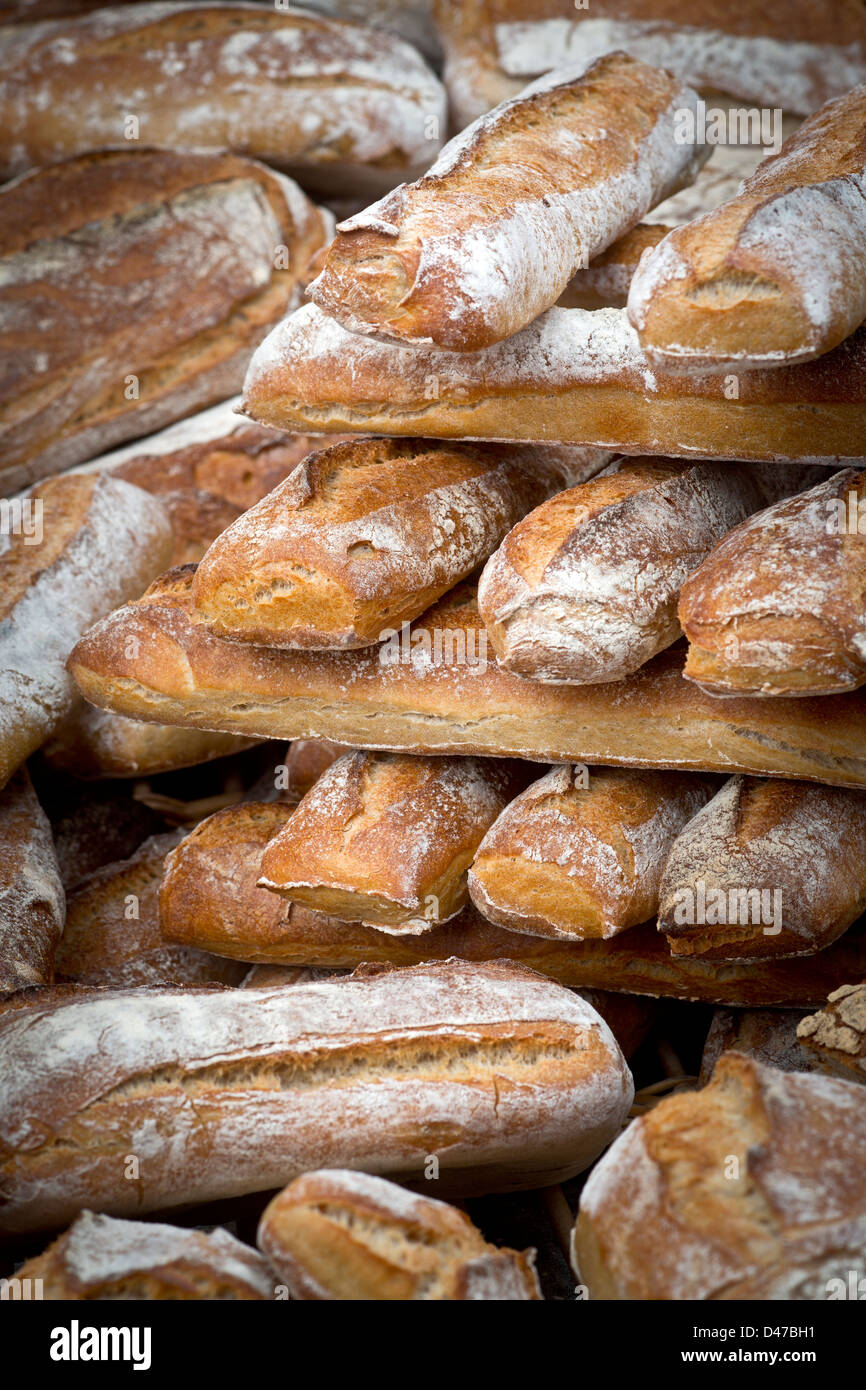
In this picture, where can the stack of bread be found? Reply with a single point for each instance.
(539, 535)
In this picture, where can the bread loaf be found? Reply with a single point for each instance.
(32, 902)
(572, 377)
(102, 1258)
(580, 854)
(766, 869)
(768, 1035)
(387, 838)
(210, 900)
(336, 105)
(749, 1189)
(94, 543)
(584, 589)
(135, 284)
(508, 1080)
(835, 1038)
(494, 231)
(94, 743)
(306, 760)
(436, 691)
(777, 607)
(364, 536)
(112, 936)
(337, 1235)
(96, 824)
(778, 274)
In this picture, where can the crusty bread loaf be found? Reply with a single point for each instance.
(766, 869)
(778, 274)
(768, 1035)
(135, 284)
(437, 692)
(96, 542)
(749, 1189)
(777, 607)
(387, 838)
(306, 759)
(580, 854)
(782, 53)
(508, 1080)
(491, 235)
(94, 743)
(102, 1258)
(364, 536)
(96, 824)
(210, 899)
(32, 902)
(336, 105)
(339, 1235)
(835, 1038)
(584, 589)
(112, 934)
(572, 377)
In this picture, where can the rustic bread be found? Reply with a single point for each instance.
(338, 106)
(835, 1038)
(749, 1189)
(99, 542)
(437, 692)
(777, 607)
(32, 902)
(306, 759)
(768, 1035)
(386, 838)
(580, 854)
(339, 1235)
(136, 282)
(93, 743)
(507, 1080)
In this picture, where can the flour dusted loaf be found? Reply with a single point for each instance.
(135, 283)
(365, 535)
(338, 106)
(766, 869)
(102, 1258)
(93, 743)
(584, 589)
(32, 901)
(580, 853)
(305, 761)
(749, 1189)
(574, 376)
(388, 838)
(494, 231)
(777, 607)
(85, 545)
(338, 1235)
(436, 690)
(768, 1035)
(835, 1038)
(509, 1080)
(210, 900)
(778, 274)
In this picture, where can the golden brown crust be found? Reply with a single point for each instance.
(778, 607)
(835, 1038)
(32, 903)
(439, 693)
(580, 854)
(338, 1235)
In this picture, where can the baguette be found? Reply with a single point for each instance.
(579, 856)
(584, 589)
(775, 276)
(364, 536)
(338, 106)
(783, 53)
(93, 743)
(112, 936)
(436, 692)
(306, 759)
(835, 1038)
(777, 607)
(766, 869)
(210, 900)
(32, 902)
(749, 1189)
(387, 838)
(135, 285)
(571, 377)
(99, 541)
(491, 235)
(508, 1080)
(102, 1258)
(337, 1235)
